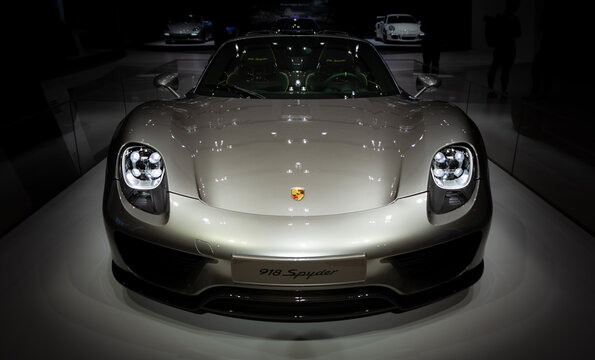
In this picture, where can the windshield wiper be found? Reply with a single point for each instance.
(238, 89)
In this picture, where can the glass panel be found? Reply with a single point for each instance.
(555, 157)
(494, 118)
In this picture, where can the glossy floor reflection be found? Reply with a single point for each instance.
(59, 299)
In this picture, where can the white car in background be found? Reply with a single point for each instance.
(402, 28)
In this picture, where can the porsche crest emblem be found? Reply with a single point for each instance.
(297, 193)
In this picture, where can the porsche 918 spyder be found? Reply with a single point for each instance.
(297, 181)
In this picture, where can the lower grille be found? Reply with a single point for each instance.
(299, 305)
(165, 267)
(427, 267)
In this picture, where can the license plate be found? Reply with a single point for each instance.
(298, 271)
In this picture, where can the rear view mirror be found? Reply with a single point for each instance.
(426, 82)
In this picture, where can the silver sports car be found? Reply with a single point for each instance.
(297, 181)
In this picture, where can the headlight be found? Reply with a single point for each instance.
(143, 179)
(452, 167)
(452, 180)
(391, 28)
(142, 168)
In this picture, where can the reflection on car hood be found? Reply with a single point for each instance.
(346, 154)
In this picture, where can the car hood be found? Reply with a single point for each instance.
(247, 154)
(345, 154)
(184, 27)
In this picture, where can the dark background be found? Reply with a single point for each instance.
(50, 37)
(51, 33)
(130, 22)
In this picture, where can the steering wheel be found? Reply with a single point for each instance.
(338, 75)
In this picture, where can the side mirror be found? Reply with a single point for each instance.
(169, 81)
(426, 82)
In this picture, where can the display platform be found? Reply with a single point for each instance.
(59, 299)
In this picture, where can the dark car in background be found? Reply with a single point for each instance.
(188, 28)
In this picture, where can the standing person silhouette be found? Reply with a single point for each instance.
(431, 45)
(505, 28)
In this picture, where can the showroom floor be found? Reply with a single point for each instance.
(60, 299)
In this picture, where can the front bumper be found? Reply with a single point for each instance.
(184, 37)
(184, 257)
(406, 38)
(298, 305)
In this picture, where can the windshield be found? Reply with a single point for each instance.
(180, 18)
(297, 67)
(402, 19)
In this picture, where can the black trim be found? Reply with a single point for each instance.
(163, 267)
(423, 269)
